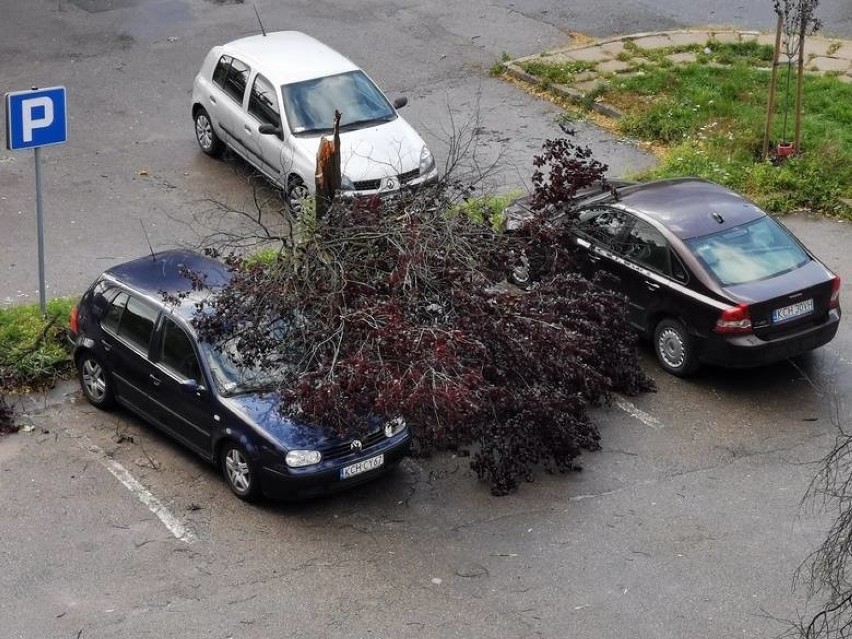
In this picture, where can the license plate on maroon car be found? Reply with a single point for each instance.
(362, 466)
(793, 311)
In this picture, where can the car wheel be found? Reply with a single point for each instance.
(95, 381)
(673, 347)
(239, 472)
(297, 192)
(206, 136)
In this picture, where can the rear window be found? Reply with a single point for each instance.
(749, 252)
(130, 319)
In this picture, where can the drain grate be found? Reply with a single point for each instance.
(99, 6)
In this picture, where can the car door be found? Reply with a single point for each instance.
(263, 109)
(182, 403)
(227, 97)
(128, 325)
(600, 234)
(650, 265)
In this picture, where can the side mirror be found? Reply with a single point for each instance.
(268, 129)
(400, 102)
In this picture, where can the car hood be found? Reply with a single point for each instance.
(374, 152)
(260, 412)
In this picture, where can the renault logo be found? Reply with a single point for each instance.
(356, 445)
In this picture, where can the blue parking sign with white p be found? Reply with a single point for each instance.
(35, 118)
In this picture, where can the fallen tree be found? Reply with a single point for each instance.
(401, 307)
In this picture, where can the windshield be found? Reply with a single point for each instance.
(310, 105)
(749, 252)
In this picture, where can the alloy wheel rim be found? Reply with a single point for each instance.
(94, 380)
(672, 348)
(203, 131)
(238, 471)
(294, 201)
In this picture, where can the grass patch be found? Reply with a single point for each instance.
(487, 209)
(558, 72)
(33, 348)
(708, 118)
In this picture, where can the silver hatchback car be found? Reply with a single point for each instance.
(270, 98)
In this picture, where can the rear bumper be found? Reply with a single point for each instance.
(744, 351)
(307, 482)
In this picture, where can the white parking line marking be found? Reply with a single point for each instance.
(639, 414)
(144, 495)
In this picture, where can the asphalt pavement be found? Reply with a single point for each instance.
(687, 522)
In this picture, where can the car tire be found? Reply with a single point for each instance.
(674, 349)
(239, 472)
(95, 381)
(296, 193)
(206, 136)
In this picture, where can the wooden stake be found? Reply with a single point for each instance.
(770, 110)
(800, 81)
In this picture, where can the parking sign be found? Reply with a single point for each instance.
(35, 118)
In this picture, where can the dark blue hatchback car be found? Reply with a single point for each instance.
(134, 349)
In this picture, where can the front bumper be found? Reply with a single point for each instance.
(391, 186)
(301, 483)
(745, 351)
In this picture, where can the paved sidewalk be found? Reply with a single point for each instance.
(613, 58)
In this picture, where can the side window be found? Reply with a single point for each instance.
(236, 80)
(678, 269)
(604, 225)
(113, 313)
(262, 102)
(137, 323)
(221, 70)
(176, 352)
(644, 244)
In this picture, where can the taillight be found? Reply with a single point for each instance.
(734, 320)
(834, 302)
(72, 321)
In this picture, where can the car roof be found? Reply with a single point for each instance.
(690, 207)
(284, 57)
(163, 272)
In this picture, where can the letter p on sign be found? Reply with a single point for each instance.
(35, 118)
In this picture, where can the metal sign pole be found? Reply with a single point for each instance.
(40, 225)
(34, 119)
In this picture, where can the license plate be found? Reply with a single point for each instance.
(793, 311)
(362, 466)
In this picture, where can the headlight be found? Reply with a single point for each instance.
(427, 162)
(299, 458)
(346, 184)
(394, 427)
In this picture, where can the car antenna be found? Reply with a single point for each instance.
(148, 239)
(262, 30)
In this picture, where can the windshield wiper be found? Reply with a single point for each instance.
(358, 124)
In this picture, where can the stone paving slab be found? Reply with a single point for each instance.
(823, 55)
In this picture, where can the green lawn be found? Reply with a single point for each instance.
(708, 117)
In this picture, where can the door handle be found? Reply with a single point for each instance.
(212, 100)
(154, 379)
(652, 286)
(247, 128)
(106, 345)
